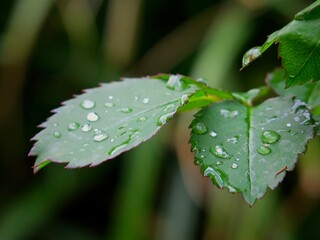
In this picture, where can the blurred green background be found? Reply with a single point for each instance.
(50, 50)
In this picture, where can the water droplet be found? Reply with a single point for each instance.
(234, 166)
(111, 140)
(109, 104)
(251, 55)
(199, 128)
(92, 117)
(213, 134)
(87, 104)
(270, 137)
(237, 159)
(231, 189)
(184, 98)
(219, 163)
(214, 175)
(297, 119)
(219, 152)
(125, 110)
(100, 135)
(145, 100)
(288, 125)
(174, 83)
(203, 81)
(164, 118)
(57, 134)
(229, 114)
(73, 126)
(136, 98)
(85, 144)
(263, 150)
(233, 140)
(55, 125)
(110, 97)
(142, 119)
(86, 127)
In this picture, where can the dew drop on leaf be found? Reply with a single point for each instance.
(109, 104)
(87, 104)
(251, 55)
(200, 128)
(213, 134)
(57, 134)
(229, 114)
(270, 137)
(234, 166)
(164, 118)
(55, 125)
(142, 119)
(110, 97)
(288, 124)
(86, 127)
(73, 126)
(263, 150)
(203, 81)
(184, 98)
(168, 107)
(214, 175)
(92, 117)
(145, 100)
(100, 135)
(219, 152)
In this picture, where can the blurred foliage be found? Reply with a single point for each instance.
(50, 50)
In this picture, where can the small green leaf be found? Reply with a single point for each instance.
(307, 93)
(248, 149)
(106, 121)
(299, 47)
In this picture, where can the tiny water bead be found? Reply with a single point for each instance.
(73, 126)
(55, 125)
(234, 166)
(228, 114)
(219, 152)
(213, 134)
(125, 110)
(92, 117)
(87, 104)
(168, 107)
(142, 119)
(199, 128)
(233, 140)
(86, 127)
(288, 124)
(263, 150)
(109, 104)
(100, 135)
(270, 137)
(145, 100)
(57, 134)
(164, 118)
(110, 97)
(251, 55)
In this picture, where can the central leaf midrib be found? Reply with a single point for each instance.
(250, 141)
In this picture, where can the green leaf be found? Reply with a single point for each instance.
(248, 149)
(299, 47)
(308, 93)
(106, 121)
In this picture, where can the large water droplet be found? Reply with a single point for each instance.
(87, 104)
(57, 134)
(145, 100)
(234, 166)
(270, 137)
(164, 118)
(251, 55)
(229, 114)
(73, 126)
(125, 110)
(213, 134)
(109, 104)
(214, 175)
(92, 117)
(184, 98)
(100, 135)
(219, 152)
(86, 127)
(263, 150)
